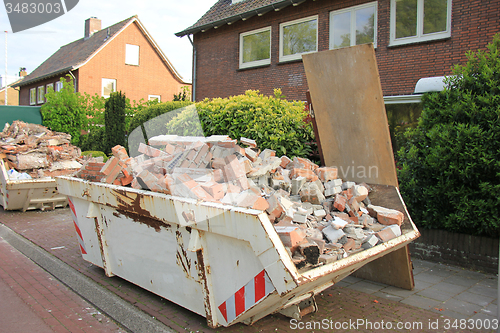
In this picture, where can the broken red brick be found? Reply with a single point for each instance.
(340, 202)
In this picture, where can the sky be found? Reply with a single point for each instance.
(162, 19)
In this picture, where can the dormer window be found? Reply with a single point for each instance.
(236, 1)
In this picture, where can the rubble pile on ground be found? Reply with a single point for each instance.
(318, 217)
(35, 150)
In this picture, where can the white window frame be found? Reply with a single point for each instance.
(420, 37)
(255, 63)
(157, 97)
(59, 86)
(41, 96)
(104, 82)
(353, 10)
(132, 54)
(296, 56)
(50, 85)
(33, 96)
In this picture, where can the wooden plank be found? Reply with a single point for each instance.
(394, 269)
(349, 108)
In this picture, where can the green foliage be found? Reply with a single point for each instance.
(184, 94)
(114, 119)
(95, 154)
(272, 122)
(94, 140)
(450, 166)
(65, 110)
(150, 120)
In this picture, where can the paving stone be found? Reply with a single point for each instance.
(482, 290)
(366, 287)
(388, 296)
(491, 282)
(462, 307)
(351, 279)
(448, 288)
(484, 321)
(421, 302)
(403, 293)
(441, 271)
(434, 294)
(460, 280)
(429, 277)
(474, 298)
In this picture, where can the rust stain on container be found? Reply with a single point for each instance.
(129, 205)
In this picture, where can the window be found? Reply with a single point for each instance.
(59, 86)
(132, 54)
(419, 20)
(154, 98)
(298, 37)
(255, 48)
(354, 26)
(108, 86)
(32, 96)
(51, 86)
(41, 94)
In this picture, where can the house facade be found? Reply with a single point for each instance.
(258, 44)
(122, 57)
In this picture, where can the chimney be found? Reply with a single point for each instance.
(22, 72)
(92, 25)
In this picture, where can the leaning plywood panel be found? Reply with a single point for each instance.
(350, 113)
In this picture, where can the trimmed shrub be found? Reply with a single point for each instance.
(272, 122)
(450, 165)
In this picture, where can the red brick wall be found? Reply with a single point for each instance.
(473, 25)
(24, 93)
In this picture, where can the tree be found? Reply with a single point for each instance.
(450, 164)
(64, 110)
(114, 118)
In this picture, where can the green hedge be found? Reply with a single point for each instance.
(450, 165)
(272, 121)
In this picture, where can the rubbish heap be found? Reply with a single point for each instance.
(33, 151)
(319, 217)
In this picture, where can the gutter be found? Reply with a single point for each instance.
(39, 78)
(193, 79)
(241, 16)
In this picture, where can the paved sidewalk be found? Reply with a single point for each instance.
(33, 301)
(442, 293)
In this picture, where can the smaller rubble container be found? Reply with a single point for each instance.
(228, 263)
(27, 194)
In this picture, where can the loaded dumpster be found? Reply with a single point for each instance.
(227, 259)
(25, 194)
(30, 156)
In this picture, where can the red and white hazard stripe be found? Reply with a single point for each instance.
(78, 231)
(248, 295)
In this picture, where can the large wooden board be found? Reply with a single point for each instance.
(350, 114)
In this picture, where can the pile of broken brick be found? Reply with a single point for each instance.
(38, 151)
(318, 217)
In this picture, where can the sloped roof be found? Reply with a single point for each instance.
(74, 55)
(227, 12)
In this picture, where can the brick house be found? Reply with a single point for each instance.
(122, 57)
(257, 44)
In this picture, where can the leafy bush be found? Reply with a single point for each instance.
(95, 154)
(450, 166)
(94, 140)
(114, 119)
(64, 111)
(272, 122)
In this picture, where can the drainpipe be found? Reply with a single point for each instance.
(74, 79)
(193, 97)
